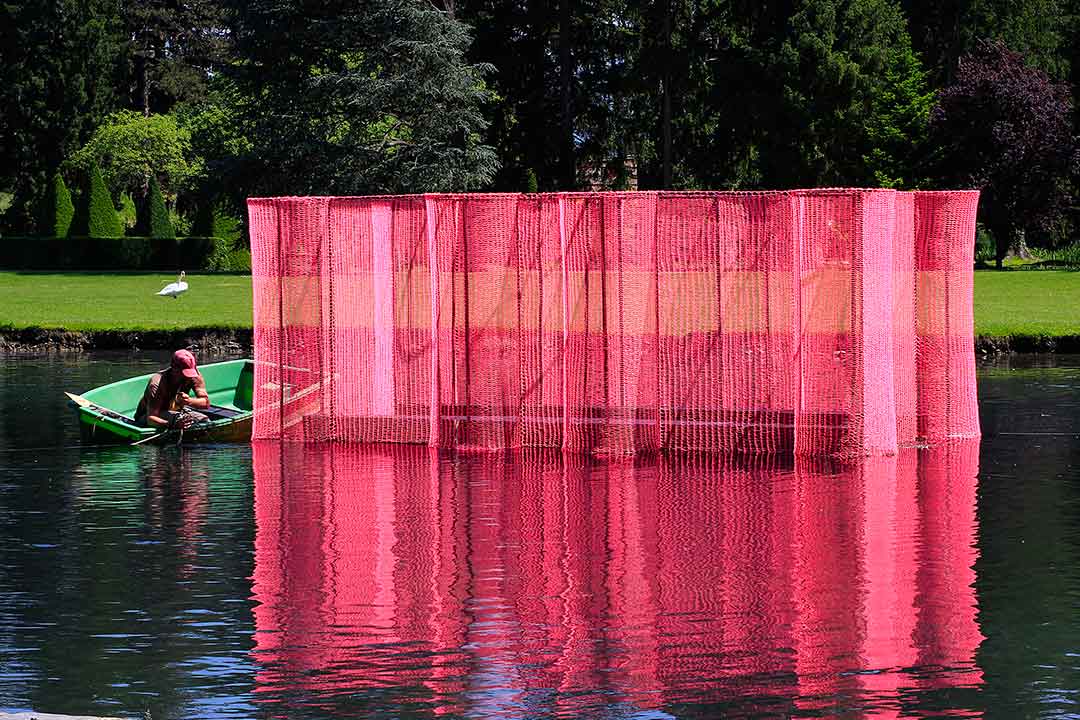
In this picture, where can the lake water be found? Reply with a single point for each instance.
(273, 581)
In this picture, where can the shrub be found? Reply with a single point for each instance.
(119, 253)
(160, 226)
(102, 219)
(129, 216)
(214, 220)
(59, 210)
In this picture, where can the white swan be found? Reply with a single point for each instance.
(173, 290)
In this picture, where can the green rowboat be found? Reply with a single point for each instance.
(107, 414)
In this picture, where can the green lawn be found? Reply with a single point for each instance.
(1045, 302)
(1035, 302)
(122, 301)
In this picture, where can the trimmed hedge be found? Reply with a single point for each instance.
(124, 253)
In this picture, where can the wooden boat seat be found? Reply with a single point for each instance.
(216, 412)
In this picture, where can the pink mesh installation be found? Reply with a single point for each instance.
(819, 322)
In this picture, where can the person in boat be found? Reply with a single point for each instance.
(173, 397)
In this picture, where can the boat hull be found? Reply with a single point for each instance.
(110, 417)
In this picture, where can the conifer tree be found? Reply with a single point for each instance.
(103, 221)
(160, 226)
(59, 210)
(62, 61)
(371, 97)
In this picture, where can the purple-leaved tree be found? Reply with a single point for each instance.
(1004, 127)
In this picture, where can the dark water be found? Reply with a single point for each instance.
(265, 581)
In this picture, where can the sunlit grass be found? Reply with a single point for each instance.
(1027, 303)
(1006, 303)
(122, 301)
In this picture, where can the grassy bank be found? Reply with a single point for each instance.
(1014, 303)
(1011, 303)
(122, 301)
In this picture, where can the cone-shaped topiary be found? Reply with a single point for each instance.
(59, 210)
(104, 221)
(128, 213)
(160, 225)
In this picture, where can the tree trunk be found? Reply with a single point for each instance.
(1002, 234)
(1018, 246)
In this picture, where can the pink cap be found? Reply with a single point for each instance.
(184, 361)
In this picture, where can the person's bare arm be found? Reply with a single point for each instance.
(198, 398)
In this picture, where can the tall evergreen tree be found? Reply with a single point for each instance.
(58, 210)
(371, 97)
(158, 223)
(103, 221)
(62, 68)
(175, 48)
(837, 62)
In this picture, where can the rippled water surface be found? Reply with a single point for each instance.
(269, 581)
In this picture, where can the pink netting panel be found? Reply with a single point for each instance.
(820, 322)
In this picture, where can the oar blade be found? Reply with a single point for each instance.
(78, 400)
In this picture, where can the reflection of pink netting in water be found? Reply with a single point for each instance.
(539, 587)
(821, 322)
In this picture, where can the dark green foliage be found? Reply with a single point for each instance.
(62, 63)
(102, 219)
(122, 253)
(173, 45)
(213, 219)
(59, 210)
(158, 222)
(534, 95)
(1004, 127)
(129, 215)
(371, 97)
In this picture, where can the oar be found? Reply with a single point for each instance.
(152, 437)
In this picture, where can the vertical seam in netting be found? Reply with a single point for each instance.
(454, 410)
(520, 424)
(719, 274)
(586, 258)
(281, 328)
(566, 320)
(622, 307)
(323, 377)
(464, 206)
(915, 307)
(798, 215)
(433, 271)
(604, 346)
(658, 394)
(858, 376)
(540, 307)
(946, 345)
(915, 316)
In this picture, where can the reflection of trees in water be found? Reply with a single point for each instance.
(532, 585)
(140, 533)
